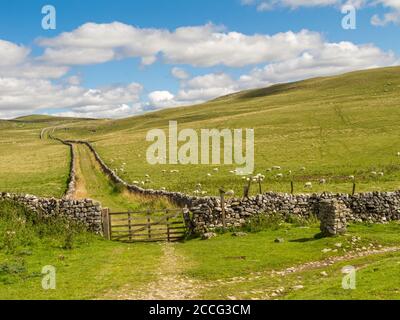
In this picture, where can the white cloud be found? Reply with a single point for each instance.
(22, 96)
(333, 58)
(201, 46)
(12, 54)
(376, 20)
(179, 73)
(162, 99)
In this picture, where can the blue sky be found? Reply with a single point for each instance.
(120, 58)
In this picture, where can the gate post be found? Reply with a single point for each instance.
(105, 217)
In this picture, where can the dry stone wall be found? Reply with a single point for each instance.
(373, 207)
(85, 211)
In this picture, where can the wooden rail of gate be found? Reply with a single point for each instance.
(145, 226)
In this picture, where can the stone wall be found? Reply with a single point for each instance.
(373, 207)
(86, 211)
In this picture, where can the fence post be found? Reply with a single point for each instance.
(149, 224)
(105, 217)
(354, 189)
(130, 225)
(291, 187)
(168, 231)
(222, 194)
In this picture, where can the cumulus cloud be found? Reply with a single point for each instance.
(391, 17)
(19, 96)
(331, 59)
(200, 46)
(179, 73)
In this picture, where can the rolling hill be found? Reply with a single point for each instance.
(334, 127)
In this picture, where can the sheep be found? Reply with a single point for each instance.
(230, 193)
(398, 154)
(164, 171)
(204, 193)
(322, 181)
(147, 176)
(381, 174)
(279, 175)
(163, 189)
(269, 170)
(308, 185)
(216, 169)
(303, 169)
(135, 182)
(276, 168)
(209, 175)
(351, 177)
(373, 173)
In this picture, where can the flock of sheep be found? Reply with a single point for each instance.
(256, 178)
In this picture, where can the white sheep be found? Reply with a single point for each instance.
(322, 181)
(381, 174)
(279, 175)
(303, 168)
(230, 193)
(209, 175)
(276, 168)
(216, 169)
(398, 154)
(308, 185)
(374, 173)
(351, 177)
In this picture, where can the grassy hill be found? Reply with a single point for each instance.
(334, 127)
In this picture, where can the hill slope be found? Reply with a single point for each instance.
(335, 127)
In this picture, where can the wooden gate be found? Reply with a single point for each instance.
(144, 226)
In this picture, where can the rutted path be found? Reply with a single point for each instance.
(170, 284)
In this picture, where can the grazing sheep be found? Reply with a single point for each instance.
(209, 175)
(269, 170)
(279, 175)
(373, 173)
(303, 168)
(204, 193)
(276, 168)
(163, 189)
(398, 154)
(308, 185)
(322, 181)
(230, 193)
(135, 182)
(381, 174)
(216, 169)
(147, 176)
(164, 171)
(351, 177)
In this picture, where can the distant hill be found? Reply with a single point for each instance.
(36, 118)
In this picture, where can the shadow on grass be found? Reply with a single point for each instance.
(302, 240)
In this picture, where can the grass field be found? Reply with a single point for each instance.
(225, 267)
(334, 127)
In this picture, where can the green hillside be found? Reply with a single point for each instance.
(334, 127)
